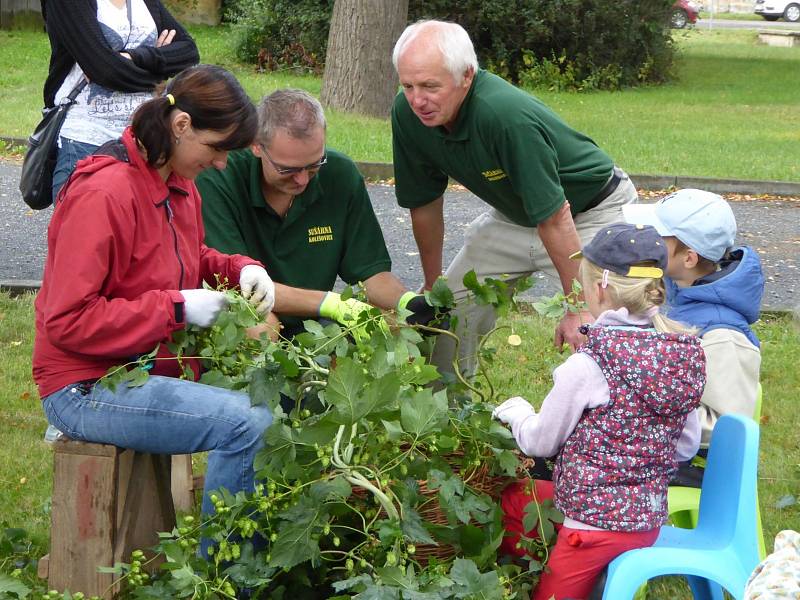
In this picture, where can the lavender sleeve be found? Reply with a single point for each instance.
(689, 442)
(578, 384)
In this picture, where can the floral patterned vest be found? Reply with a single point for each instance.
(614, 469)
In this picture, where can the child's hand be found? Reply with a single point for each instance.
(513, 411)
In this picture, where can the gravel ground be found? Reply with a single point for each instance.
(770, 224)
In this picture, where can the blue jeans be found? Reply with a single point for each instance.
(69, 153)
(169, 416)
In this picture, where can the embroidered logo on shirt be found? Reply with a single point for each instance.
(320, 234)
(494, 174)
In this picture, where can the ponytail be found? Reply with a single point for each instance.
(152, 126)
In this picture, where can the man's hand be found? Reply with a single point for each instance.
(423, 313)
(258, 288)
(202, 307)
(348, 313)
(567, 329)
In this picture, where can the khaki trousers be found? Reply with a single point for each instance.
(495, 247)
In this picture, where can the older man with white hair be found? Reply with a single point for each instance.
(549, 187)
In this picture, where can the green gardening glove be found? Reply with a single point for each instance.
(359, 317)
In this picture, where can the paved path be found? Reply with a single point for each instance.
(772, 226)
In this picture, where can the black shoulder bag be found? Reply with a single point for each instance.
(36, 181)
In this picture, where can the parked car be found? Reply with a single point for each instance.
(683, 13)
(772, 10)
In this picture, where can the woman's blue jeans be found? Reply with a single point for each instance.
(69, 153)
(169, 416)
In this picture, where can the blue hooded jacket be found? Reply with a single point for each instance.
(727, 299)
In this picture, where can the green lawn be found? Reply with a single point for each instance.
(731, 111)
(26, 460)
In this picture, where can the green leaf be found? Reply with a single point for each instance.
(393, 430)
(507, 461)
(250, 570)
(393, 576)
(290, 368)
(314, 327)
(138, 377)
(474, 584)
(344, 389)
(11, 585)
(337, 488)
(389, 531)
(348, 584)
(217, 379)
(279, 449)
(424, 412)
(414, 528)
(471, 539)
(440, 294)
(295, 544)
(265, 385)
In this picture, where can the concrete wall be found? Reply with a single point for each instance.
(735, 6)
(196, 12)
(21, 14)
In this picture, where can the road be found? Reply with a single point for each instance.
(771, 226)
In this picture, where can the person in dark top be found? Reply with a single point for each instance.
(124, 48)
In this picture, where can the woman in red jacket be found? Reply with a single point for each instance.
(125, 267)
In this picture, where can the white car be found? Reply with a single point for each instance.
(772, 10)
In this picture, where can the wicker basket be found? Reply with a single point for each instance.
(479, 480)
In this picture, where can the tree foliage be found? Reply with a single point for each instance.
(557, 44)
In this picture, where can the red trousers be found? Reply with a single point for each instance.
(578, 556)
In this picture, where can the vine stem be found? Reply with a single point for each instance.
(481, 366)
(358, 479)
(456, 368)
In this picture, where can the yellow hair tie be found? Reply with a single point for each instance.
(171, 99)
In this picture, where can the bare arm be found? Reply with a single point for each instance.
(297, 302)
(427, 223)
(384, 290)
(561, 240)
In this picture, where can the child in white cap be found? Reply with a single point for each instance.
(717, 287)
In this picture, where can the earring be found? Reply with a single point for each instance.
(177, 141)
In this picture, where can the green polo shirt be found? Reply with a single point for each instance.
(506, 147)
(329, 230)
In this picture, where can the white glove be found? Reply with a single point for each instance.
(202, 307)
(518, 413)
(513, 410)
(258, 288)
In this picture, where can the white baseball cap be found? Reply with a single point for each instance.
(702, 220)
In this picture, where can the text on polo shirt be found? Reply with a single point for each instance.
(494, 174)
(320, 234)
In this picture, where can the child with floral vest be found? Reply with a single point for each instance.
(621, 413)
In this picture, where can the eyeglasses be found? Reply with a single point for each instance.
(284, 170)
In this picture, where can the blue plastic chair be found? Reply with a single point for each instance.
(722, 550)
(683, 502)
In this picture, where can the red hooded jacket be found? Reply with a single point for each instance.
(120, 246)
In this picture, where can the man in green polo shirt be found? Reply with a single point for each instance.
(549, 186)
(304, 212)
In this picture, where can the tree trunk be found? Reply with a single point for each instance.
(359, 76)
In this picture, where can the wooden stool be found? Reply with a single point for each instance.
(107, 502)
